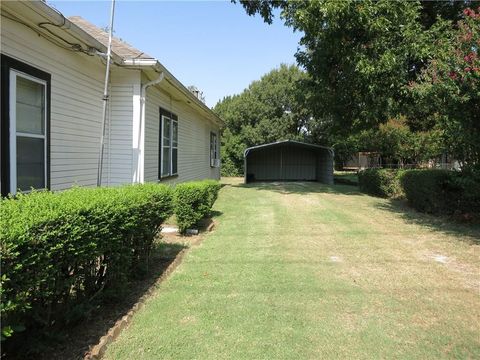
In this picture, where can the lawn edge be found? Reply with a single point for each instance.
(98, 350)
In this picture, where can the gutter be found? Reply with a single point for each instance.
(158, 67)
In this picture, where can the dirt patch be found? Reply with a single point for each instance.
(467, 274)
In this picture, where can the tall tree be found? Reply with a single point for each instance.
(447, 93)
(270, 109)
(362, 57)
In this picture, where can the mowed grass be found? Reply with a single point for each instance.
(309, 271)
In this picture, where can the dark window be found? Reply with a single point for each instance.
(214, 158)
(25, 127)
(168, 146)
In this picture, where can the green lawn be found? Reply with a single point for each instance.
(309, 271)
(346, 177)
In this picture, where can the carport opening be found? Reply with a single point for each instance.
(289, 161)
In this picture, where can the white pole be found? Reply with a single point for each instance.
(105, 96)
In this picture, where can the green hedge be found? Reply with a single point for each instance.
(381, 182)
(193, 201)
(62, 250)
(442, 191)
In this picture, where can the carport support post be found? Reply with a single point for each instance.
(245, 167)
(245, 170)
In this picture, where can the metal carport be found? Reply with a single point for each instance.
(289, 160)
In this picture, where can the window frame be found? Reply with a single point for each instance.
(214, 150)
(10, 70)
(172, 119)
(14, 134)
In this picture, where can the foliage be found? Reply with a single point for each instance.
(381, 182)
(346, 178)
(360, 55)
(448, 90)
(62, 250)
(344, 149)
(271, 109)
(442, 191)
(372, 61)
(193, 201)
(394, 141)
(398, 144)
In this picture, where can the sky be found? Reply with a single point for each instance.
(213, 45)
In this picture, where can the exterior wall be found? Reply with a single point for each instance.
(76, 103)
(121, 153)
(76, 113)
(325, 167)
(193, 139)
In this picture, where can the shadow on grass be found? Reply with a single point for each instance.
(74, 341)
(215, 213)
(301, 187)
(469, 232)
(206, 224)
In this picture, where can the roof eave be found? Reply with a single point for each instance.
(158, 67)
(55, 17)
(66, 25)
(245, 153)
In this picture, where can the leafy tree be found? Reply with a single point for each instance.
(362, 59)
(448, 90)
(270, 109)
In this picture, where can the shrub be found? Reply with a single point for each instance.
(193, 201)
(228, 168)
(62, 250)
(442, 191)
(381, 182)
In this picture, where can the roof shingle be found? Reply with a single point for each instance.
(119, 47)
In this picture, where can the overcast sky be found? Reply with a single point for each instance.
(213, 45)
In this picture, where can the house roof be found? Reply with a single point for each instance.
(119, 47)
(288, 142)
(136, 58)
(78, 34)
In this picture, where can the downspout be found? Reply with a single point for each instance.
(245, 154)
(140, 170)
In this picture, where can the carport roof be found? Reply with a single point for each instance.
(293, 142)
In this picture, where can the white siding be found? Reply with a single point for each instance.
(193, 139)
(76, 103)
(76, 113)
(121, 122)
(76, 109)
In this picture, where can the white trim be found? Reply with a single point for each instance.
(36, 136)
(163, 118)
(14, 74)
(13, 132)
(173, 147)
(170, 147)
(138, 136)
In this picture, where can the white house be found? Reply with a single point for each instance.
(52, 76)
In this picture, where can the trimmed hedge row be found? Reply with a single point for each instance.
(381, 182)
(442, 191)
(193, 201)
(62, 250)
(427, 190)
